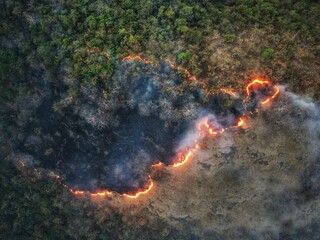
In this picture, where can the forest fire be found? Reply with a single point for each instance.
(256, 83)
(185, 158)
(137, 194)
(161, 123)
(204, 127)
(100, 193)
(240, 122)
(77, 192)
(186, 71)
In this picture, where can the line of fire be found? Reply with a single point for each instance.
(258, 92)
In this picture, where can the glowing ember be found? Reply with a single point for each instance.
(240, 122)
(102, 193)
(77, 192)
(141, 192)
(159, 164)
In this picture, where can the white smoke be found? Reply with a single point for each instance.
(310, 115)
(196, 133)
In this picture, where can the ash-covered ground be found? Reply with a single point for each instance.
(108, 139)
(261, 182)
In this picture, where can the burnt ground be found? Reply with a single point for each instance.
(110, 143)
(260, 182)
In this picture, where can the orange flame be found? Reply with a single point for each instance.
(263, 82)
(228, 92)
(101, 193)
(186, 71)
(159, 164)
(192, 78)
(273, 96)
(141, 192)
(129, 58)
(77, 192)
(172, 65)
(184, 159)
(240, 122)
(137, 57)
(209, 130)
(256, 81)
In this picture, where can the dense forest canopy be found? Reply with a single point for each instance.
(80, 44)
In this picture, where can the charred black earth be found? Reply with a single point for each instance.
(110, 137)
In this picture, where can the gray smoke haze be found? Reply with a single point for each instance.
(258, 182)
(309, 117)
(280, 171)
(299, 203)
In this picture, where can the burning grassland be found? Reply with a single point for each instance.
(152, 114)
